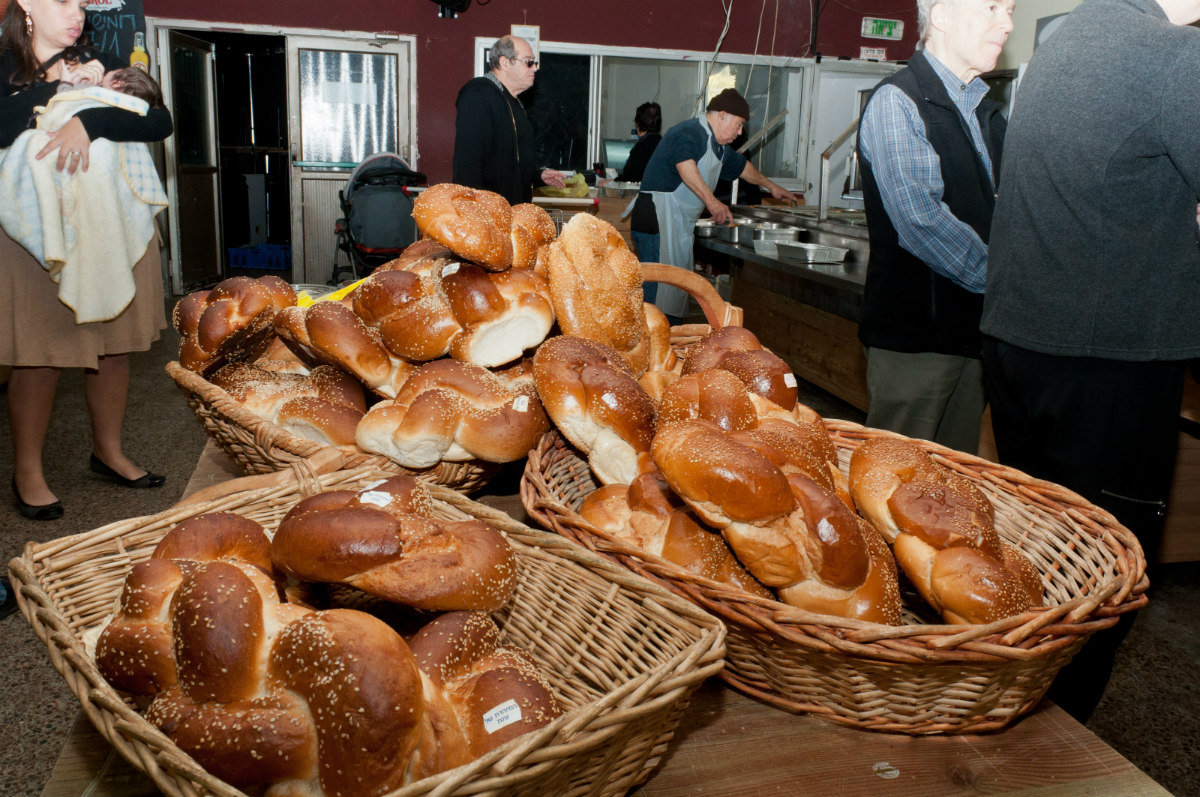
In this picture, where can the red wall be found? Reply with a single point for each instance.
(445, 47)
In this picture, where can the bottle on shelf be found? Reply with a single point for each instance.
(139, 58)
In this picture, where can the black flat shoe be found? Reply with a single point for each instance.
(34, 512)
(143, 482)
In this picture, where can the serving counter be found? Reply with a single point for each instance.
(806, 313)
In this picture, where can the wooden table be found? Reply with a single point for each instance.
(729, 744)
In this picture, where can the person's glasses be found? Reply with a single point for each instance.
(529, 62)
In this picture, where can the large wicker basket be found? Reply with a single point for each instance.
(257, 445)
(918, 678)
(622, 654)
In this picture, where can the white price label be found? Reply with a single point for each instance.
(789, 379)
(450, 269)
(501, 716)
(376, 497)
(521, 403)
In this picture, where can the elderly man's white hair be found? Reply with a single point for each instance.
(923, 9)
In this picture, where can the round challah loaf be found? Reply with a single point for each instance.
(596, 289)
(385, 541)
(592, 397)
(790, 532)
(232, 322)
(942, 529)
(472, 223)
(454, 412)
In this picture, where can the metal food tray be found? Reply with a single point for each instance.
(811, 253)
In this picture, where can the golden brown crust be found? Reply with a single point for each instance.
(596, 289)
(497, 692)
(330, 333)
(737, 350)
(375, 541)
(647, 515)
(233, 322)
(532, 228)
(472, 223)
(456, 308)
(593, 399)
(942, 529)
(454, 411)
(324, 404)
(791, 532)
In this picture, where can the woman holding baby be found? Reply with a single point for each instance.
(42, 46)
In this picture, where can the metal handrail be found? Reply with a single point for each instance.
(823, 187)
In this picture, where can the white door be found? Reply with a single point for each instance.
(347, 99)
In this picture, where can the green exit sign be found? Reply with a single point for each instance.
(874, 28)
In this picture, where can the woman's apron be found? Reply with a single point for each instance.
(677, 212)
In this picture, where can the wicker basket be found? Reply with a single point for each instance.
(622, 654)
(918, 678)
(257, 445)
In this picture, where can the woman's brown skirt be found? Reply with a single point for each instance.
(36, 329)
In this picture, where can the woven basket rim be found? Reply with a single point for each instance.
(167, 764)
(999, 640)
(468, 475)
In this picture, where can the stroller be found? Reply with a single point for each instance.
(377, 222)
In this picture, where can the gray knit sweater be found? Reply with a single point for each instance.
(1094, 248)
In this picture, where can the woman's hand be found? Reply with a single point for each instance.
(89, 74)
(72, 142)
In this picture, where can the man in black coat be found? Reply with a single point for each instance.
(493, 140)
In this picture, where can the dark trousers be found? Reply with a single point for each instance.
(1106, 429)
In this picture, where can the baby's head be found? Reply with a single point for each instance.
(136, 83)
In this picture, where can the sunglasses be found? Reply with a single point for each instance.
(528, 62)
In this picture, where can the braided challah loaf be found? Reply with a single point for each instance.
(450, 411)
(592, 397)
(737, 350)
(324, 405)
(230, 323)
(788, 530)
(329, 332)
(647, 515)
(596, 289)
(385, 541)
(474, 224)
(273, 696)
(943, 531)
(456, 308)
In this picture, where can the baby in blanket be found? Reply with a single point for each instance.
(90, 227)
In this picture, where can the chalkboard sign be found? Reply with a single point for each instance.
(118, 27)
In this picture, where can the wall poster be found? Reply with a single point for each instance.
(118, 27)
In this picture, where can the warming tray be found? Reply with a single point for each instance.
(810, 253)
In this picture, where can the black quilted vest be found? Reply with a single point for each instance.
(906, 305)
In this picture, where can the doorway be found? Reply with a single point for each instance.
(269, 125)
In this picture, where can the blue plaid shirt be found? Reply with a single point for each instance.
(906, 167)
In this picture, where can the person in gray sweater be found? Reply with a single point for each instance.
(1093, 285)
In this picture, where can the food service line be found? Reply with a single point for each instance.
(1045, 753)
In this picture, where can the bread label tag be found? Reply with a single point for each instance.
(450, 269)
(376, 497)
(789, 379)
(610, 399)
(521, 404)
(501, 716)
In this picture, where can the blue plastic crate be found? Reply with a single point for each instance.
(276, 257)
